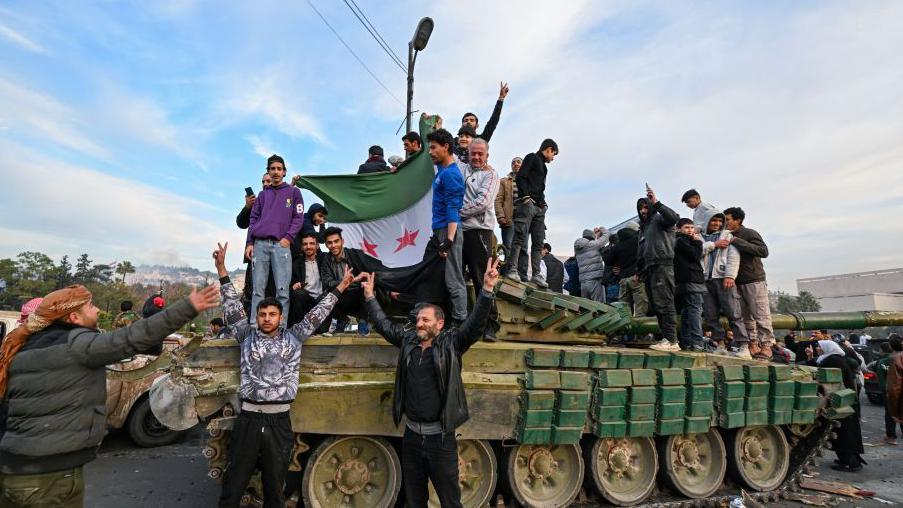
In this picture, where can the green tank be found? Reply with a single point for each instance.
(556, 414)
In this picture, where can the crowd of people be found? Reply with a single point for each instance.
(302, 280)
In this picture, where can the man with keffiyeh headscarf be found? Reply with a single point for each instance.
(53, 391)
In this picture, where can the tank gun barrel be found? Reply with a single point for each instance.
(852, 320)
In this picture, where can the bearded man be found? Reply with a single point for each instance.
(435, 405)
(53, 386)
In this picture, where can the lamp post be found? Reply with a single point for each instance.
(417, 43)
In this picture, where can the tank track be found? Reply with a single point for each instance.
(803, 451)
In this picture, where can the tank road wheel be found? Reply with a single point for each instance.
(694, 464)
(545, 475)
(759, 457)
(801, 430)
(623, 470)
(477, 474)
(359, 471)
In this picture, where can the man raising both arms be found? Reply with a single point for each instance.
(269, 360)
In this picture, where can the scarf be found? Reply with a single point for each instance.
(55, 306)
(828, 348)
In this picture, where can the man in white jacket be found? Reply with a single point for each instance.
(481, 184)
(720, 267)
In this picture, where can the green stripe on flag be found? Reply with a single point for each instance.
(359, 198)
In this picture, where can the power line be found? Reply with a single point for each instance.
(375, 33)
(339, 37)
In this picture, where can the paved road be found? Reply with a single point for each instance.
(176, 475)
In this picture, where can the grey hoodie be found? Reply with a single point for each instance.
(700, 214)
(588, 251)
(718, 263)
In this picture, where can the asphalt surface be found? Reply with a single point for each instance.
(176, 475)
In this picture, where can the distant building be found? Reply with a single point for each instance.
(875, 290)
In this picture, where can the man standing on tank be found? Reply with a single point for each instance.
(448, 197)
(655, 260)
(429, 389)
(530, 210)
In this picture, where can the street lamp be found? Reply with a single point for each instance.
(417, 43)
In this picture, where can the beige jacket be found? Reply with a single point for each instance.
(504, 202)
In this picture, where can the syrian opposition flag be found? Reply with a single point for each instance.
(385, 215)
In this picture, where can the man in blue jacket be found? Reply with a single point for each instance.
(276, 217)
(448, 197)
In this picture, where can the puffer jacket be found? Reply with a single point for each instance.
(623, 254)
(718, 263)
(480, 189)
(447, 349)
(656, 236)
(588, 251)
(57, 391)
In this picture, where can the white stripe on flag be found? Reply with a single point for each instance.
(396, 240)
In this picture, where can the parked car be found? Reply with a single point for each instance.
(874, 389)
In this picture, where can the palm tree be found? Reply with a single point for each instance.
(124, 268)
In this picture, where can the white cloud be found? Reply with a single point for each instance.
(20, 40)
(261, 148)
(68, 209)
(27, 112)
(266, 98)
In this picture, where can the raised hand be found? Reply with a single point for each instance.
(347, 279)
(204, 299)
(503, 90)
(219, 258)
(491, 277)
(367, 283)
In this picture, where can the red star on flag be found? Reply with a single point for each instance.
(407, 239)
(370, 248)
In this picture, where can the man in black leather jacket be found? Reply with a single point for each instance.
(429, 389)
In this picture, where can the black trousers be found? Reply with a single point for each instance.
(425, 458)
(659, 281)
(300, 303)
(258, 440)
(477, 243)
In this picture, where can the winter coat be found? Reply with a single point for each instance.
(588, 251)
(554, 273)
(719, 263)
(656, 236)
(374, 164)
(573, 283)
(752, 250)
(894, 386)
(57, 391)
(504, 201)
(480, 189)
(623, 254)
(447, 349)
(687, 260)
(531, 179)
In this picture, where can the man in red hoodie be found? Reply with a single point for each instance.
(276, 217)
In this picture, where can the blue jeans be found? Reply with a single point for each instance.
(454, 273)
(269, 254)
(690, 305)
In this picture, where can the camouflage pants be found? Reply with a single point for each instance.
(60, 489)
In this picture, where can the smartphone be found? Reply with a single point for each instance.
(647, 187)
(249, 191)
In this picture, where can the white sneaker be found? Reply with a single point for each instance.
(513, 276)
(743, 352)
(665, 345)
(539, 281)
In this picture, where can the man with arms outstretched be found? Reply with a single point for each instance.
(429, 389)
(269, 360)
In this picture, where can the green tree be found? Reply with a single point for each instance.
(63, 273)
(808, 302)
(124, 269)
(83, 269)
(100, 273)
(35, 266)
(805, 302)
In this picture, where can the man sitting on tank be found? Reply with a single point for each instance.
(270, 358)
(435, 405)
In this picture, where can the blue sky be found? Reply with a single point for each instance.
(129, 129)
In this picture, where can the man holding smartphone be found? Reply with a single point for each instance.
(276, 217)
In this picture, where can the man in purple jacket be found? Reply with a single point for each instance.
(276, 217)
